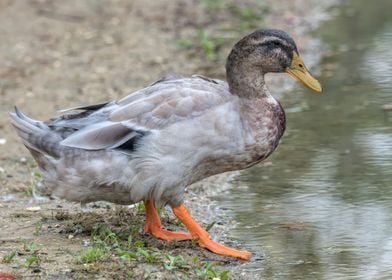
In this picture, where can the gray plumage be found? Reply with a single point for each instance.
(158, 140)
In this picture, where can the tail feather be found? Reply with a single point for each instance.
(24, 117)
(35, 134)
(23, 127)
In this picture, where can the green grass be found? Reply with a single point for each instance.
(222, 21)
(117, 244)
(107, 245)
(140, 207)
(37, 174)
(91, 254)
(32, 254)
(210, 226)
(184, 42)
(28, 191)
(174, 262)
(207, 44)
(209, 271)
(8, 258)
(32, 259)
(248, 17)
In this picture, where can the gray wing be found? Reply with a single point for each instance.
(121, 124)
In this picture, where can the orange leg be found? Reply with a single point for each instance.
(204, 240)
(153, 225)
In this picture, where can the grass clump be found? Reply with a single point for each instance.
(32, 254)
(91, 254)
(8, 258)
(117, 243)
(208, 44)
(208, 270)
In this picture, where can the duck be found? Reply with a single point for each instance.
(151, 145)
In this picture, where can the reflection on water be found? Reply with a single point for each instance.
(322, 208)
(377, 64)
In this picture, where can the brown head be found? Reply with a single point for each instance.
(265, 51)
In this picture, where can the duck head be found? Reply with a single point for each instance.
(265, 51)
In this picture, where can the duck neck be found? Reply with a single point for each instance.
(245, 81)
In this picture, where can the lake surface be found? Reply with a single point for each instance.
(321, 208)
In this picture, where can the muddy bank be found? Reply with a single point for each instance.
(55, 55)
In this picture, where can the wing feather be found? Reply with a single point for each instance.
(108, 135)
(165, 102)
(172, 104)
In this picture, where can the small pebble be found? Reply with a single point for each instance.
(3, 141)
(33, 208)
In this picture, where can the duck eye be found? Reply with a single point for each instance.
(300, 65)
(276, 44)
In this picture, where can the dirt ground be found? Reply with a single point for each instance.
(60, 54)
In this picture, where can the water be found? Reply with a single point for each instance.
(322, 207)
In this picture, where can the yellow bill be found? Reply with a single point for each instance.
(298, 70)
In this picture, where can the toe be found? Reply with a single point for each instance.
(170, 235)
(224, 250)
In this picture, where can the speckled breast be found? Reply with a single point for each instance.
(267, 127)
